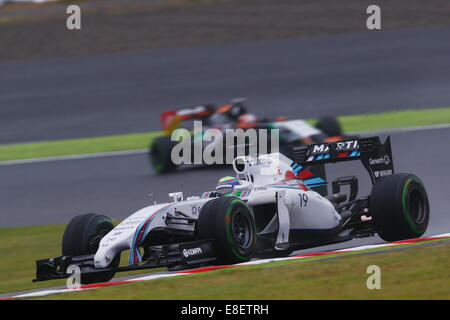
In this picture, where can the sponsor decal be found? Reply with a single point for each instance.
(382, 173)
(342, 145)
(259, 161)
(192, 252)
(195, 209)
(386, 160)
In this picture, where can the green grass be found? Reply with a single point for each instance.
(131, 141)
(20, 247)
(415, 273)
(407, 118)
(141, 140)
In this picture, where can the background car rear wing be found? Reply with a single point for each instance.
(374, 155)
(171, 119)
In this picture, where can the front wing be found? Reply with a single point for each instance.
(182, 255)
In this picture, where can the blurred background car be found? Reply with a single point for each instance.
(233, 116)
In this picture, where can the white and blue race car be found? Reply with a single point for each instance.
(270, 208)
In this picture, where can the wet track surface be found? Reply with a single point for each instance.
(54, 192)
(122, 93)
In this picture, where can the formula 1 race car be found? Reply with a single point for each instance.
(270, 209)
(235, 116)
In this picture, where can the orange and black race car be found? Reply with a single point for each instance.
(197, 121)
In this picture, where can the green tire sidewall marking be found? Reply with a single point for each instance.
(228, 231)
(92, 231)
(97, 223)
(408, 218)
(159, 167)
(101, 221)
(158, 164)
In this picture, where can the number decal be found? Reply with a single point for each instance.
(303, 199)
(195, 210)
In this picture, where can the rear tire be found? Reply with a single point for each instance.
(400, 207)
(230, 223)
(160, 154)
(82, 237)
(330, 126)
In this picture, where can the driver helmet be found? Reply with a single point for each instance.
(227, 184)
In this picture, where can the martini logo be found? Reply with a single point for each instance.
(340, 146)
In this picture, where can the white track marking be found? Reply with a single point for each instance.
(74, 157)
(141, 151)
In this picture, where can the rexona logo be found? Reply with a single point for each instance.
(192, 252)
(343, 145)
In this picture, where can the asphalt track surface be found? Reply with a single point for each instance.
(121, 93)
(54, 192)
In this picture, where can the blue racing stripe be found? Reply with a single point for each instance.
(313, 181)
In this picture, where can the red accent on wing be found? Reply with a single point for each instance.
(305, 174)
(167, 117)
(342, 154)
(289, 175)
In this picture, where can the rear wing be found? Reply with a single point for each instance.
(170, 120)
(374, 155)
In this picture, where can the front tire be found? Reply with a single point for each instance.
(400, 207)
(160, 154)
(82, 237)
(230, 223)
